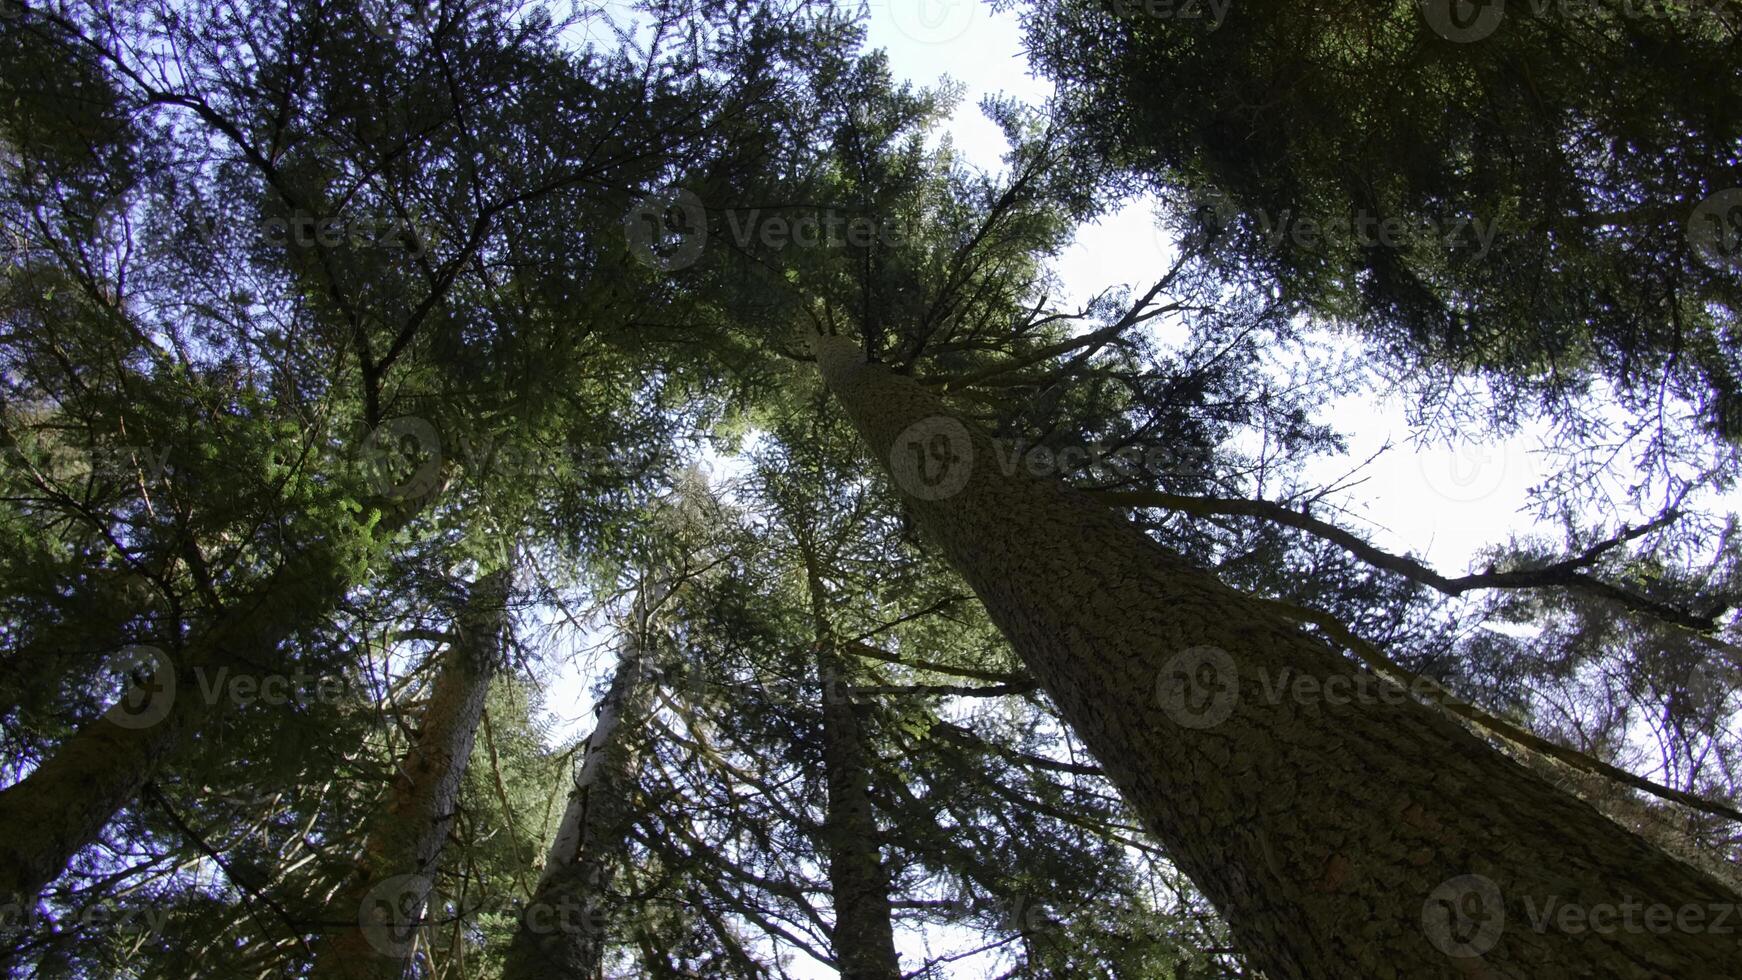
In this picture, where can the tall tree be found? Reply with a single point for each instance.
(562, 930)
(1297, 816)
(382, 231)
(393, 876)
(863, 936)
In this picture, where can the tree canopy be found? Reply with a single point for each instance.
(497, 490)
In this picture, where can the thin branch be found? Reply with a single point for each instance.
(1569, 573)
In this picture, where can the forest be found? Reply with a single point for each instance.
(495, 490)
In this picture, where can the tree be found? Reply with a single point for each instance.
(385, 241)
(392, 878)
(1296, 815)
(973, 322)
(1517, 190)
(562, 930)
(275, 237)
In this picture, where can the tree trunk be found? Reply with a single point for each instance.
(562, 932)
(864, 937)
(383, 900)
(1343, 830)
(63, 805)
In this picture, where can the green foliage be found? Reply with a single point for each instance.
(1518, 195)
(337, 313)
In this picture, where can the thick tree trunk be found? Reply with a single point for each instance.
(63, 805)
(864, 935)
(1344, 830)
(383, 900)
(563, 931)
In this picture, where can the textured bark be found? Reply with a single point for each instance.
(1341, 836)
(562, 932)
(63, 805)
(863, 940)
(386, 895)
